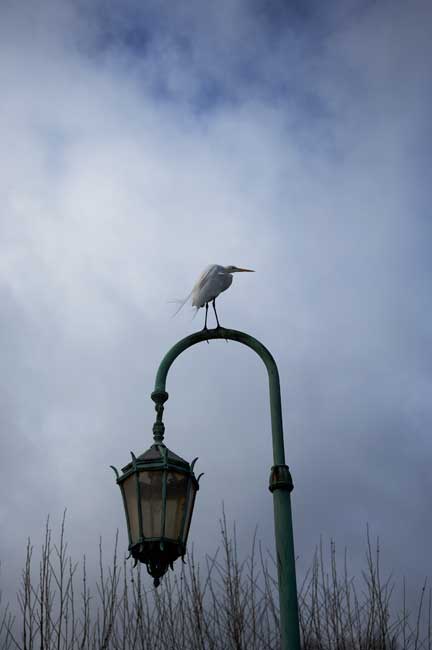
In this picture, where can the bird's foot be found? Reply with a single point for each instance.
(219, 327)
(205, 329)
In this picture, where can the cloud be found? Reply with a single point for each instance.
(141, 144)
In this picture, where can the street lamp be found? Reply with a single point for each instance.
(159, 490)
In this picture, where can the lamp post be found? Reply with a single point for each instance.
(159, 551)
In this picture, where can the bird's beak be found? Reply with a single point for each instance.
(246, 270)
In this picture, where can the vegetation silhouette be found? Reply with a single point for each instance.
(227, 605)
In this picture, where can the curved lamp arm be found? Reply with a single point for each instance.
(160, 395)
(280, 478)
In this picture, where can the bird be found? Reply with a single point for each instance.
(212, 281)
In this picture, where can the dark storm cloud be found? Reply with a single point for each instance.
(141, 143)
(208, 54)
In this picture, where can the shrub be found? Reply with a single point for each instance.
(228, 605)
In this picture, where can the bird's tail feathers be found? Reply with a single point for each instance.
(181, 303)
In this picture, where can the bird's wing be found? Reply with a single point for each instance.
(196, 288)
(213, 281)
(204, 277)
(200, 290)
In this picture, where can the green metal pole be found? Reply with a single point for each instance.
(280, 477)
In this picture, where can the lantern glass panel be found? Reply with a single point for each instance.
(177, 484)
(130, 493)
(151, 502)
(189, 506)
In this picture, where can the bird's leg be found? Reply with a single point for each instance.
(214, 309)
(205, 322)
(217, 319)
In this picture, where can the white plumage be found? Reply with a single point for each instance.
(212, 281)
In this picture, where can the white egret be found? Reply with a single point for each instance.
(212, 281)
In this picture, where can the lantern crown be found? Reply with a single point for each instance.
(156, 456)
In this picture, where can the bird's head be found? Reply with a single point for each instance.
(236, 269)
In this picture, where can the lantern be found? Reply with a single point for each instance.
(158, 490)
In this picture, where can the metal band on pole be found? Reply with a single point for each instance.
(280, 477)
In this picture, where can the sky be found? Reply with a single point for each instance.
(142, 141)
